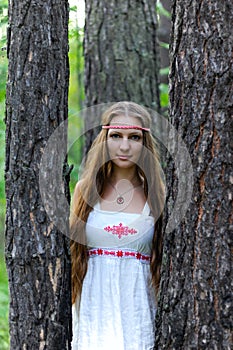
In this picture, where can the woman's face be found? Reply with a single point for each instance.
(125, 145)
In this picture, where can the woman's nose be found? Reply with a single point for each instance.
(124, 146)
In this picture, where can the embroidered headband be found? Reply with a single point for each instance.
(137, 127)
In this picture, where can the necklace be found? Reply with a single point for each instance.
(120, 199)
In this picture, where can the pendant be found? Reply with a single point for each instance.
(120, 200)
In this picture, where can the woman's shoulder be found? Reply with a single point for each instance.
(78, 186)
(77, 190)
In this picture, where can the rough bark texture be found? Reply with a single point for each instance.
(121, 50)
(37, 254)
(196, 292)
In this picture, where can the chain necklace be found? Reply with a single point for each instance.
(120, 199)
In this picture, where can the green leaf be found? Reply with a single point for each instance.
(161, 10)
(73, 8)
(164, 71)
(164, 45)
(164, 96)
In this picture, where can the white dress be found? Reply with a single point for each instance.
(117, 305)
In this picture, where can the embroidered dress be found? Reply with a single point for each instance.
(117, 305)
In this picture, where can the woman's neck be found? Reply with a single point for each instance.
(129, 174)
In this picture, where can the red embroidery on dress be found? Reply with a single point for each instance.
(100, 251)
(119, 253)
(120, 230)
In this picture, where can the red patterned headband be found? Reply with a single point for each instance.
(137, 127)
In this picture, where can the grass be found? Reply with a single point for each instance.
(4, 306)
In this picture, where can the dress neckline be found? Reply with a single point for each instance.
(145, 210)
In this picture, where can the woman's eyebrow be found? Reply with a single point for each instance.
(136, 132)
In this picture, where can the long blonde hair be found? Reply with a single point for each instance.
(96, 172)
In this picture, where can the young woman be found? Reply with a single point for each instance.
(116, 235)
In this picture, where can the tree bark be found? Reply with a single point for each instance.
(37, 253)
(196, 291)
(121, 55)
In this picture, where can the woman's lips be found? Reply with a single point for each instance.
(121, 157)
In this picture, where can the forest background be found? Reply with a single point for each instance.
(76, 99)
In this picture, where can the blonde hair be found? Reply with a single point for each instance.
(89, 191)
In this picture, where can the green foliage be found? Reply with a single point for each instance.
(164, 45)
(2, 187)
(4, 298)
(3, 76)
(3, 59)
(164, 71)
(164, 98)
(76, 98)
(161, 10)
(76, 149)
(76, 59)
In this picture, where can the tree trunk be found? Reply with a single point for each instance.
(121, 52)
(37, 253)
(195, 300)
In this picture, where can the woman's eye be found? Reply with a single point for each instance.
(135, 137)
(114, 136)
(130, 137)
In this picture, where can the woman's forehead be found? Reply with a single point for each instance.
(121, 130)
(125, 120)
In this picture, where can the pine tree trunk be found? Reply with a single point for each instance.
(196, 292)
(37, 254)
(121, 55)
